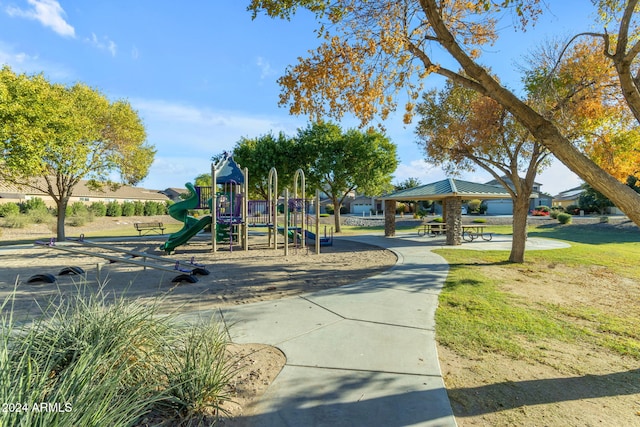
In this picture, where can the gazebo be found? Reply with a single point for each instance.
(451, 192)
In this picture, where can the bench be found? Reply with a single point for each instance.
(145, 228)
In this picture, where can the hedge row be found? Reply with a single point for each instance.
(98, 209)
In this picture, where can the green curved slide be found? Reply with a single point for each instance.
(192, 225)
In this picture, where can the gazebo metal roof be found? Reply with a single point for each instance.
(450, 188)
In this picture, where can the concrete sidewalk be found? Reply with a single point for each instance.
(357, 355)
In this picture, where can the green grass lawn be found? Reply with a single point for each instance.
(476, 315)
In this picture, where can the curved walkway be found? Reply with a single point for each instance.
(358, 355)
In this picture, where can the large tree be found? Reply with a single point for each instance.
(462, 130)
(372, 50)
(264, 152)
(52, 136)
(342, 162)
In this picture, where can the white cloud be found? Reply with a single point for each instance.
(265, 68)
(557, 178)
(48, 12)
(186, 137)
(135, 54)
(103, 43)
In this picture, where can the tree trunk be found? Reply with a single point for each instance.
(389, 218)
(336, 214)
(61, 205)
(520, 216)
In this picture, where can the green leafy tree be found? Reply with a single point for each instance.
(203, 180)
(268, 151)
(591, 200)
(371, 52)
(342, 162)
(52, 136)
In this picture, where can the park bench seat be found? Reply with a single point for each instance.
(145, 228)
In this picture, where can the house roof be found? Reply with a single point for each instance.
(82, 190)
(450, 188)
(571, 194)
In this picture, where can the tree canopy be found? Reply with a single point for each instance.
(460, 129)
(340, 163)
(336, 162)
(264, 152)
(370, 51)
(52, 136)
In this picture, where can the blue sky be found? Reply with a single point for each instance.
(202, 74)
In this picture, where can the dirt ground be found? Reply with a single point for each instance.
(562, 385)
(553, 383)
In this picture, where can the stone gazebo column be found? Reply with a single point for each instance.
(389, 218)
(453, 216)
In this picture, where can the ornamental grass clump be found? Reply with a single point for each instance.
(95, 361)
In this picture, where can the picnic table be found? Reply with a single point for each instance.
(432, 229)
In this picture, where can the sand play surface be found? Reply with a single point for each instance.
(236, 277)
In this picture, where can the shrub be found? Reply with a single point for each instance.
(572, 209)
(128, 209)
(329, 209)
(565, 218)
(15, 221)
(98, 209)
(150, 208)
(40, 216)
(479, 220)
(554, 214)
(139, 208)
(537, 212)
(474, 205)
(77, 208)
(78, 220)
(9, 209)
(114, 209)
(33, 204)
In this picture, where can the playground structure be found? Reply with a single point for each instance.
(232, 213)
(296, 223)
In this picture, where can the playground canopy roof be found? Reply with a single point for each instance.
(450, 188)
(227, 171)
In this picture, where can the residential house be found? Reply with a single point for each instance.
(568, 197)
(505, 206)
(82, 193)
